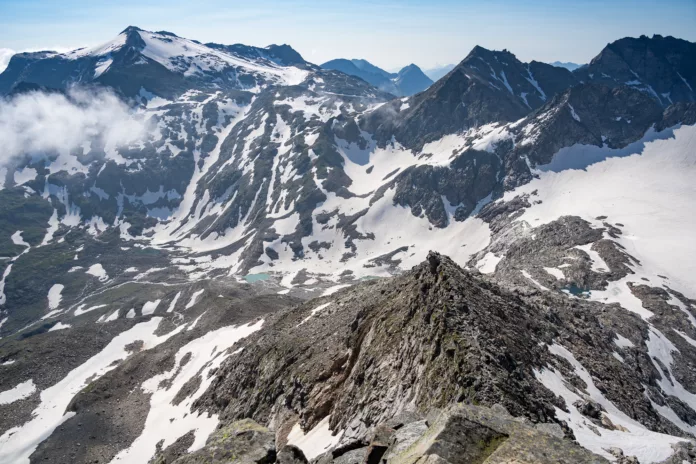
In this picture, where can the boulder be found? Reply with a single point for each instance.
(468, 434)
(241, 442)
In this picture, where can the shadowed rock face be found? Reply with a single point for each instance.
(662, 67)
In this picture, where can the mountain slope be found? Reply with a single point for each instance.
(486, 86)
(662, 67)
(438, 72)
(566, 64)
(408, 81)
(161, 62)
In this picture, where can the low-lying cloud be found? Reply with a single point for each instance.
(37, 123)
(5, 55)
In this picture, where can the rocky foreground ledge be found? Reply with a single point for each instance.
(462, 434)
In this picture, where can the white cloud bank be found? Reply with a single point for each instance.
(5, 55)
(35, 123)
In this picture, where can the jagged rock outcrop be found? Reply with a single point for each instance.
(662, 67)
(431, 338)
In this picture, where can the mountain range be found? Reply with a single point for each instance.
(408, 81)
(566, 64)
(214, 250)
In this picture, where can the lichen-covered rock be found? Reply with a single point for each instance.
(468, 434)
(243, 442)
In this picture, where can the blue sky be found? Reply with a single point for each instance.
(386, 32)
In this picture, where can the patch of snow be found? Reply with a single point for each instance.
(22, 176)
(598, 264)
(167, 422)
(623, 342)
(97, 270)
(82, 310)
(647, 446)
(149, 307)
(194, 298)
(53, 224)
(314, 442)
(315, 311)
(59, 326)
(488, 263)
(661, 348)
(172, 305)
(19, 392)
(55, 295)
(334, 289)
(18, 240)
(18, 443)
(556, 272)
(573, 113)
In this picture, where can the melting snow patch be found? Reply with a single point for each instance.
(168, 422)
(619, 292)
(661, 348)
(54, 296)
(488, 263)
(334, 289)
(130, 314)
(21, 391)
(81, 309)
(557, 273)
(623, 342)
(150, 307)
(316, 441)
(172, 305)
(53, 224)
(315, 311)
(97, 270)
(573, 113)
(194, 298)
(18, 240)
(59, 326)
(22, 176)
(598, 264)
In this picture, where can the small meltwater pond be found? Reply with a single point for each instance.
(251, 278)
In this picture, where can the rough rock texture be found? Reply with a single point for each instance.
(243, 442)
(662, 67)
(469, 434)
(433, 337)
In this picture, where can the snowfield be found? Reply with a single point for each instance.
(651, 192)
